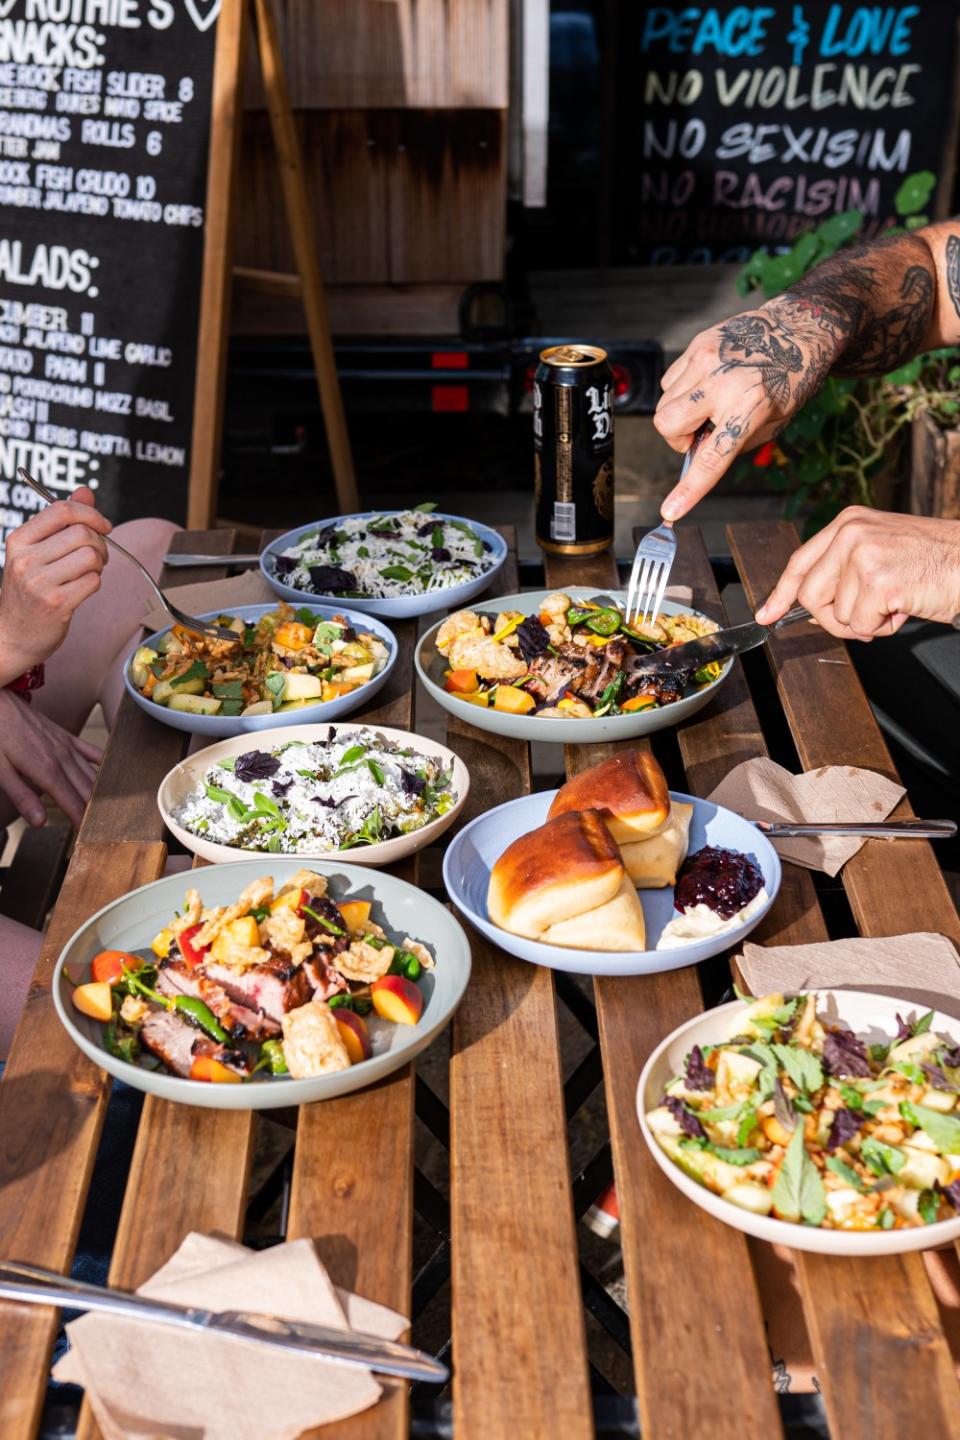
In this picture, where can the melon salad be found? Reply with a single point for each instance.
(799, 1118)
(285, 660)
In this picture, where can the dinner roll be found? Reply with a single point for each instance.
(654, 862)
(629, 790)
(617, 925)
(566, 866)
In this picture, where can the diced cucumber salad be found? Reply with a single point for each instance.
(800, 1119)
(384, 556)
(354, 788)
(287, 659)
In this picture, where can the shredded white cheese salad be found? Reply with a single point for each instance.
(385, 556)
(354, 788)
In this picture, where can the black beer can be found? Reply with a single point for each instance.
(573, 450)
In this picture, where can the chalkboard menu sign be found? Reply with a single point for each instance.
(744, 125)
(104, 131)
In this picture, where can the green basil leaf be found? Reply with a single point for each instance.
(880, 1158)
(396, 572)
(845, 1171)
(944, 1130)
(804, 1069)
(425, 507)
(928, 1207)
(738, 1156)
(354, 753)
(798, 1193)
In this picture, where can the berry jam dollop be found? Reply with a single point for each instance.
(723, 880)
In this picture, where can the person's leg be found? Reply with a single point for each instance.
(106, 627)
(20, 949)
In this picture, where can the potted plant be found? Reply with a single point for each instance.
(847, 446)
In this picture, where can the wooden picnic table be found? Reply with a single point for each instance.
(519, 1347)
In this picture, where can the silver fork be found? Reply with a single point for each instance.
(205, 627)
(654, 558)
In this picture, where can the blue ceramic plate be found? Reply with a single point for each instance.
(221, 727)
(476, 849)
(405, 607)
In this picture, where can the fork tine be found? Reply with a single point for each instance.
(648, 594)
(661, 589)
(643, 581)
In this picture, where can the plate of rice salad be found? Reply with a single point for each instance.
(826, 1121)
(250, 986)
(399, 563)
(287, 665)
(375, 795)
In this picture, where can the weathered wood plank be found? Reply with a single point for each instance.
(676, 1355)
(52, 1104)
(892, 888)
(873, 1325)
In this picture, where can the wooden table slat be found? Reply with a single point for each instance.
(52, 1104)
(677, 1356)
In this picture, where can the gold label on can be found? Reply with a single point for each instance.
(564, 448)
(603, 490)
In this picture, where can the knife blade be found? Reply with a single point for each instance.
(34, 1286)
(694, 654)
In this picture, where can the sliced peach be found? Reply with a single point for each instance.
(95, 999)
(398, 999)
(109, 965)
(461, 682)
(293, 635)
(332, 690)
(354, 1034)
(205, 1067)
(639, 702)
(355, 913)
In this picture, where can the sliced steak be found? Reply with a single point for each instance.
(268, 990)
(170, 1039)
(612, 658)
(326, 981)
(234, 1059)
(175, 977)
(572, 668)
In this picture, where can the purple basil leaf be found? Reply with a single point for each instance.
(938, 1080)
(844, 1054)
(283, 564)
(952, 1057)
(328, 804)
(413, 784)
(255, 765)
(280, 788)
(427, 528)
(439, 553)
(949, 1192)
(783, 1108)
(846, 1124)
(330, 579)
(689, 1123)
(532, 639)
(904, 1030)
(698, 1075)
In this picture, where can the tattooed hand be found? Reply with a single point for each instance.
(866, 572)
(865, 311)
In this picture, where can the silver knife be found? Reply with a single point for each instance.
(878, 829)
(693, 654)
(184, 561)
(348, 1347)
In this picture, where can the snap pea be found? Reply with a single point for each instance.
(322, 920)
(272, 1052)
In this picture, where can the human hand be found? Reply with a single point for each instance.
(866, 572)
(38, 757)
(748, 377)
(53, 564)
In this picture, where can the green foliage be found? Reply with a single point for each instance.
(835, 449)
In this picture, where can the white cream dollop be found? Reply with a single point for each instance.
(700, 923)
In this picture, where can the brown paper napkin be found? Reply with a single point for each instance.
(249, 588)
(146, 1381)
(923, 970)
(763, 790)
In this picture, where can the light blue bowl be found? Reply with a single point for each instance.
(405, 607)
(476, 849)
(221, 727)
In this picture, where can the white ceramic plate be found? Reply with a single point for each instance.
(131, 922)
(222, 726)
(403, 607)
(187, 777)
(472, 854)
(872, 1018)
(431, 666)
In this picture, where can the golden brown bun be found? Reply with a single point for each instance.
(629, 791)
(654, 862)
(617, 925)
(568, 865)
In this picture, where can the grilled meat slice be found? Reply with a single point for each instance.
(612, 658)
(269, 990)
(317, 931)
(234, 1059)
(326, 980)
(175, 977)
(572, 668)
(171, 1040)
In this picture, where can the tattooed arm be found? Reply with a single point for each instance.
(863, 312)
